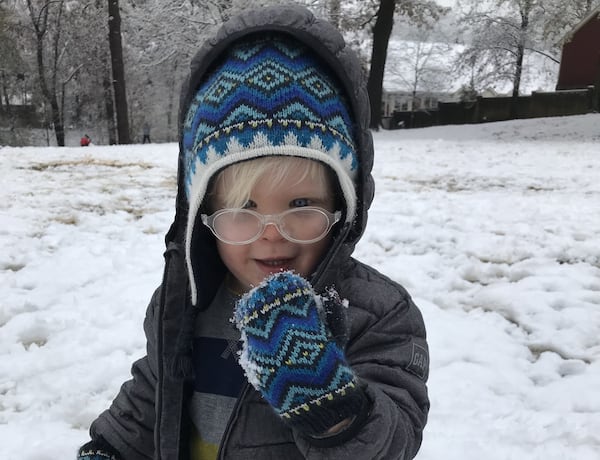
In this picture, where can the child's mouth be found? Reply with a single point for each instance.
(274, 265)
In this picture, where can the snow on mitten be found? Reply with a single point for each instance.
(290, 356)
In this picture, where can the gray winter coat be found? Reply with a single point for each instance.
(386, 349)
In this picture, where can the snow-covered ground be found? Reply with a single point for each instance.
(493, 228)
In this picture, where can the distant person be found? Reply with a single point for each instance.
(146, 131)
(85, 141)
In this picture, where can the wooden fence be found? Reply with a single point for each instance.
(486, 109)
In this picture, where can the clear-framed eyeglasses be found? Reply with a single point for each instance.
(303, 225)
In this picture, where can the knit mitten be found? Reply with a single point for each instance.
(290, 355)
(96, 450)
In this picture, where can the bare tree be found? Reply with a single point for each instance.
(118, 71)
(420, 65)
(525, 10)
(562, 16)
(155, 54)
(47, 26)
(12, 73)
(504, 31)
(381, 36)
(158, 39)
(420, 12)
(109, 107)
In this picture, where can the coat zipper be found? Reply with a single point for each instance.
(232, 417)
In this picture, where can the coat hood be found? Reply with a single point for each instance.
(327, 43)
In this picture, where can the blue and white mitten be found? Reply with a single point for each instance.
(290, 355)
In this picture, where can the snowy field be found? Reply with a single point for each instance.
(493, 228)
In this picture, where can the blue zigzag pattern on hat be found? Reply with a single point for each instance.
(262, 91)
(292, 358)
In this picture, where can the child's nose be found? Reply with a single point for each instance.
(271, 232)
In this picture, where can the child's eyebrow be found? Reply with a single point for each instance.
(317, 199)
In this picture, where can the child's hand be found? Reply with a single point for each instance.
(291, 357)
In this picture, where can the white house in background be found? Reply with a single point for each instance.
(438, 82)
(418, 75)
(404, 101)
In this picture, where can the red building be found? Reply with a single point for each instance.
(580, 61)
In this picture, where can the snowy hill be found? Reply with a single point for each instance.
(494, 229)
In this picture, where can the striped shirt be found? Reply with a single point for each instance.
(218, 376)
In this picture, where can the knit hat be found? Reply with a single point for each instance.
(268, 95)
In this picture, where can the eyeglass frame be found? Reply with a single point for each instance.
(272, 219)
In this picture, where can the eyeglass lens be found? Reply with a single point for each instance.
(298, 224)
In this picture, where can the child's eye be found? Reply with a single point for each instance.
(300, 202)
(249, 204)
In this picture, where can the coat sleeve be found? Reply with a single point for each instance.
(128, 425)
(388, 352)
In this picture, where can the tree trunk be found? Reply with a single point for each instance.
(40, 23)
(173, 93)
(381, 36)
(596, 92)
(519, 59)
(4, 92)
(118, 71)
(50, 96)
(334, 12)
(517, 82)
(109, 108)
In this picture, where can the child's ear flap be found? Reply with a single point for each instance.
(209, 269)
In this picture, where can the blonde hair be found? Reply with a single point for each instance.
(238, 180)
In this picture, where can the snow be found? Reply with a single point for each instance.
(494, 229)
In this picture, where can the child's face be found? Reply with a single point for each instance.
(251, 263)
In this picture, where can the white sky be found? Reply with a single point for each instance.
(494, 229)
(446, 2)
